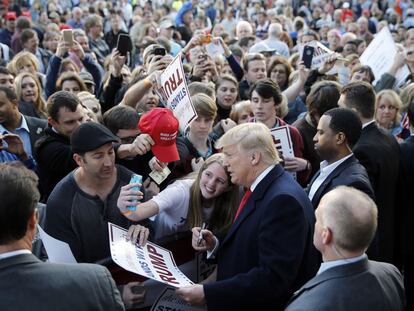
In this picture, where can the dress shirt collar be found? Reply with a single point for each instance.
(335, 263)
(368, 123)
(261, 177)
(23, 126)
(328, 169)
(14, 253)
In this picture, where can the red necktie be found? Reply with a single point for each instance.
(242, 203)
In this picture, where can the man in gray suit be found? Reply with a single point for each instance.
(346, 221)
(27, 283)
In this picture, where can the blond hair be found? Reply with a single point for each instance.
(21, 58)
(204, 105)
(39, 103)
(395, 101)
(238, 108)
(251, 137)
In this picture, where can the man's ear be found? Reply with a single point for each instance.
(326, 236)
(33, 220)
(340, 138)
(78, 159)
(255, 157)
(52, 122)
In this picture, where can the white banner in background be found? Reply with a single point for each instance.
(379, 55)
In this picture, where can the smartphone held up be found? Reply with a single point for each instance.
(124, 44)
(308, 56)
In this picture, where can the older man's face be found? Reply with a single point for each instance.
(238, 165)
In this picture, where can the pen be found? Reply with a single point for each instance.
(200, 237)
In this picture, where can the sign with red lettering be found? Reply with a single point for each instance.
(151, 260)
(174, 93)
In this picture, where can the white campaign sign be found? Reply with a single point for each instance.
(282, 140)
(151, 261)
(379, 55)
(169, 301)
(174, 93)
(320, 53)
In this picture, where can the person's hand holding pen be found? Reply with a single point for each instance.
(203, 239)
(200, 237)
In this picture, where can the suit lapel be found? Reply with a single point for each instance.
(330, 177)
(35, 129)
(256, 196)
(308, 188)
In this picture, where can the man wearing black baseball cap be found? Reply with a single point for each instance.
(82, 204)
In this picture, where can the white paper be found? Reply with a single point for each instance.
(174, 93)
(57, 251)
(168, 300)
(214, 49)
(379, 55)
(150, 261)
(283, 142)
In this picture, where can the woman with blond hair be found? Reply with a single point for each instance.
(26, 62)
(241, 112)
(207, 197)
(387, 112)
(29, 94)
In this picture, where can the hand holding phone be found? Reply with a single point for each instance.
(124, 44)
(68, 37)
(160, 51)
(308, 56)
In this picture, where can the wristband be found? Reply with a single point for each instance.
(126, 213)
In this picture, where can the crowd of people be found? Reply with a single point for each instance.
(327, 226)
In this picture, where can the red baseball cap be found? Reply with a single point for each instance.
(162, 126)
(11, 16)
(26, 14)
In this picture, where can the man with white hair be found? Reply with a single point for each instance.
(273, 41)
(76, 21)
(243, 29)
(346, 221)
(267, 253)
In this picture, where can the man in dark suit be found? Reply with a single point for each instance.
(26, 282)
(13, 123)
(346, 220)
(378, 152)
(338, 130)
(267, 253)
(405, 204)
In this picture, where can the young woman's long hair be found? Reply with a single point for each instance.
(224, 206)
(39, 103)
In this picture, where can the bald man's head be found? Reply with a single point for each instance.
(351, 216)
